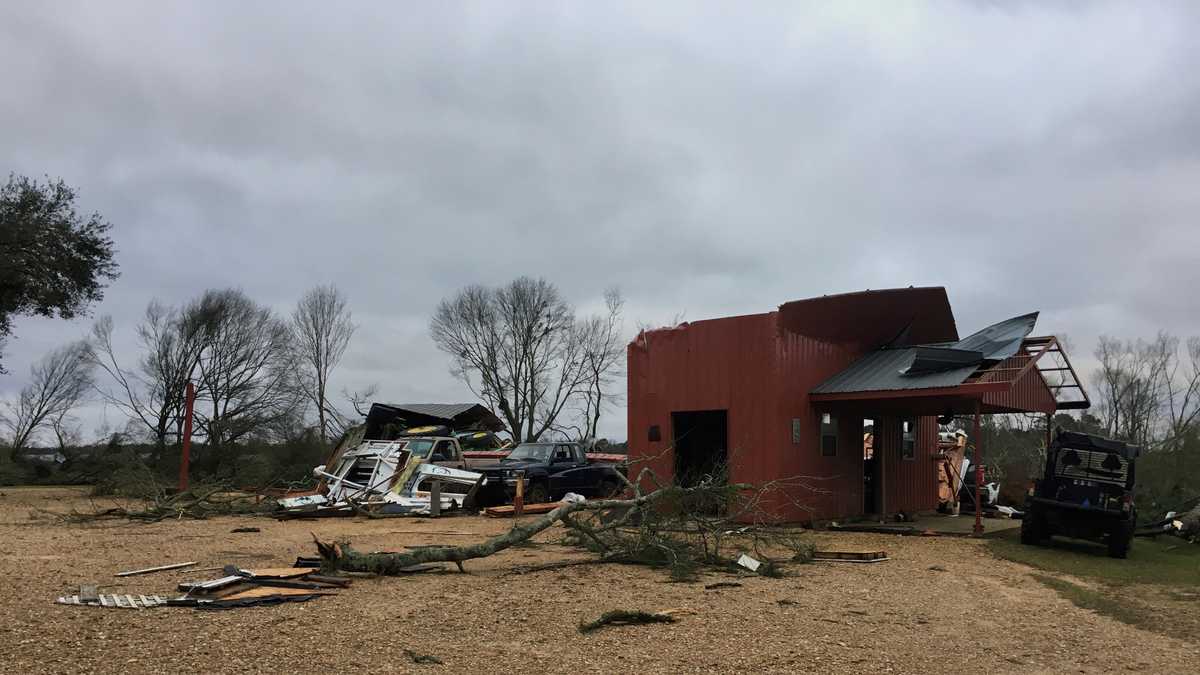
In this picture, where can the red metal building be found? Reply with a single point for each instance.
(782, 397)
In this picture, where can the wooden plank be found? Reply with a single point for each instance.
(280, 572)
(508, 511)
(849, 555)
(160, 568)
(267, 592)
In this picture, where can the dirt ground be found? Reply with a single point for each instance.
(974, 613)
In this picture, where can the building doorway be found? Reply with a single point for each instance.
(701, 441)
(871, 463)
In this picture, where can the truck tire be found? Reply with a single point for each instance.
(1033, 529)
(1120, 537)
(609, 489)
(537, 493)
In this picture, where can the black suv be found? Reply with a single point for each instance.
(1086, 493)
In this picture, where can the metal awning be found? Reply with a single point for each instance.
(998, 370)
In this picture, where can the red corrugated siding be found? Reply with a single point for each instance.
(761, 375)
(1026, 394)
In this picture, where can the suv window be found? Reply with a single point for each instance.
(446, 449)
(562, 453)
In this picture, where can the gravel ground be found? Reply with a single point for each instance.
(975, 613)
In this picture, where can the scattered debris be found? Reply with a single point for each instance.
(749, 563)
(722, 584)
(198, 503)
(626, 617)
(937, 568)
(243, 588)
(120, 601)
(422, 659)
(885, 528)
(244, 529)
(785, 602)
(850, 556)
(160, 568)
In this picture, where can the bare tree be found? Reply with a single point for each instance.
(153, 394)
(59, 382)
(1149, 394)
(245, 369)
(517, 347)
(1131, 379)
(603, 349)
(1182, 397)
(321, 330)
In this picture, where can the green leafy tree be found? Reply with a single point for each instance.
(53, 261)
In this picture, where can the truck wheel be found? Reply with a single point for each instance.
(1032, 530)
(609, 489)
(1119, 539)
(537, 494)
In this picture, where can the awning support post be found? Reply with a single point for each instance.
(978, 529)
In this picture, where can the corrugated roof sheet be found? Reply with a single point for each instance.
(447, 411)
(932, 364)
(881, 371)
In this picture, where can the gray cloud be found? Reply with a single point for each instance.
(706, 160)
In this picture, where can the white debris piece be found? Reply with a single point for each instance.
(749, 563)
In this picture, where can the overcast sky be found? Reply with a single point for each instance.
(709, 159)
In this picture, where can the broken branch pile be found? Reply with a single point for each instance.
(680, 528)
(198, 503)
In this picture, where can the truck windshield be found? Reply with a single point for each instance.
(419, 447)
(534, 451)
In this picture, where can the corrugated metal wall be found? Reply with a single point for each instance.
(762, 375)
(1028, 393)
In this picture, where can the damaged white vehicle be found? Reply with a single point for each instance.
(398, 476)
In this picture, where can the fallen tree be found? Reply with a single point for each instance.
(198, 503)
(680, 528)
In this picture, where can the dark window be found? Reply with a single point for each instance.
(447, 450)
(908, 439)
(829, 435)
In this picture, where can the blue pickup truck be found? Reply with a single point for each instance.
(550, 470)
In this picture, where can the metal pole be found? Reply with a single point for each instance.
(978, 530)
(187, 437)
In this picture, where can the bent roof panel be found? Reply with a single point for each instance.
(1000, 340)
(881, 371)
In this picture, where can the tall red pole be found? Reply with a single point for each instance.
(978, 530)
(187, 437)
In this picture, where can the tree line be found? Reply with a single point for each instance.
(1143, 391)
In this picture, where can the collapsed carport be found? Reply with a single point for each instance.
(998, 370)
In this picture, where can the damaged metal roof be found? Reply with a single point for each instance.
(883, 370)
(931, 366)
(454, 415)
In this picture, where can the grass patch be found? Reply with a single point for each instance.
(1102, 603)
(1164, 561)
